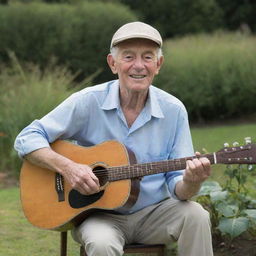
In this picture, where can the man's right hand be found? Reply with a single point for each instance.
(81, 178)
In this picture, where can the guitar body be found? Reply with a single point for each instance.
(40, 200)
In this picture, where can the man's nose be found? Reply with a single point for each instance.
(138, 63)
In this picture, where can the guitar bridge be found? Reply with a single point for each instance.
(59, 187)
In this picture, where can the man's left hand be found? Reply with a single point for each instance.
(196, 172)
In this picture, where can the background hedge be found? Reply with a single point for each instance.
(214, 75)
(78, 35)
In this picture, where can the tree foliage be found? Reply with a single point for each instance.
(178, 17)
(238, 12)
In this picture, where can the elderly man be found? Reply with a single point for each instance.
(149, 121)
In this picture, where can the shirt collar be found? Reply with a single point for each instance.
(112, 100)
(153, 102)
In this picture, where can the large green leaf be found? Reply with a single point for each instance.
(253, 203)
(218, 195)
(227, 210)
(234, 226)
(209, 187)
(251, 213)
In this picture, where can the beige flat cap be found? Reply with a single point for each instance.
(136, 30)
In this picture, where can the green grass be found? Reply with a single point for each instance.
(18, 237)
(212, 138)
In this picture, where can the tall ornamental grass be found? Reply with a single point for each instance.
(27, 93)
(214, 75)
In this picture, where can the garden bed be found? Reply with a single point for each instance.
(239, 247)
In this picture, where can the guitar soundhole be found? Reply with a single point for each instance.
(101, 174)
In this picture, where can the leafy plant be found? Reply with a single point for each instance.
(231, 206)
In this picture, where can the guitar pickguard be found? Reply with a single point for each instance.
(78, 200)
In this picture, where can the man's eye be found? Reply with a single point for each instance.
(149, 57)
(128, 57)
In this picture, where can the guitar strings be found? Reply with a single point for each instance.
(171, 164)
(120, 171)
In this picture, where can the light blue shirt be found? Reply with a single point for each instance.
(93, 115)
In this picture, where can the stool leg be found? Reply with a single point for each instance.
(63, 243)
(82, 251)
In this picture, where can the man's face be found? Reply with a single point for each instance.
(136, 64)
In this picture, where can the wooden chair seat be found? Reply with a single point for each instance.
(157, 249)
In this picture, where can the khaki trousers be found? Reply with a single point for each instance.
(104, 234)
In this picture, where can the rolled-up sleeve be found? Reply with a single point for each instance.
(31, 138)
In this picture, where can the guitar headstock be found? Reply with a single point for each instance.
(237, 155)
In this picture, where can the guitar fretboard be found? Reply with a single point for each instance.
(140, 170)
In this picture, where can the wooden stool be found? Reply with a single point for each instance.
(157, 249)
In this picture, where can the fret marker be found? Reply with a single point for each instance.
(215, 158)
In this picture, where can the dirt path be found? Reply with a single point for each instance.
(7, 181)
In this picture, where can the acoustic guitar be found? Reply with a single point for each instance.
(49, 202)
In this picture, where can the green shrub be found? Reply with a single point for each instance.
(78, 35)
(33, 31)
(213, 75)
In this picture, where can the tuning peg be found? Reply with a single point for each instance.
(204, 150)
(235, 144)
(226, 145)
(248, 140)
(228, 166)
(250, 167)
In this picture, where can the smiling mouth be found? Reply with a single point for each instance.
(138, 76)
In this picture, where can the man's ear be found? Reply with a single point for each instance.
(160, 62)
(112, 63)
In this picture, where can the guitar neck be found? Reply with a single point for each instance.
(140, 170)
